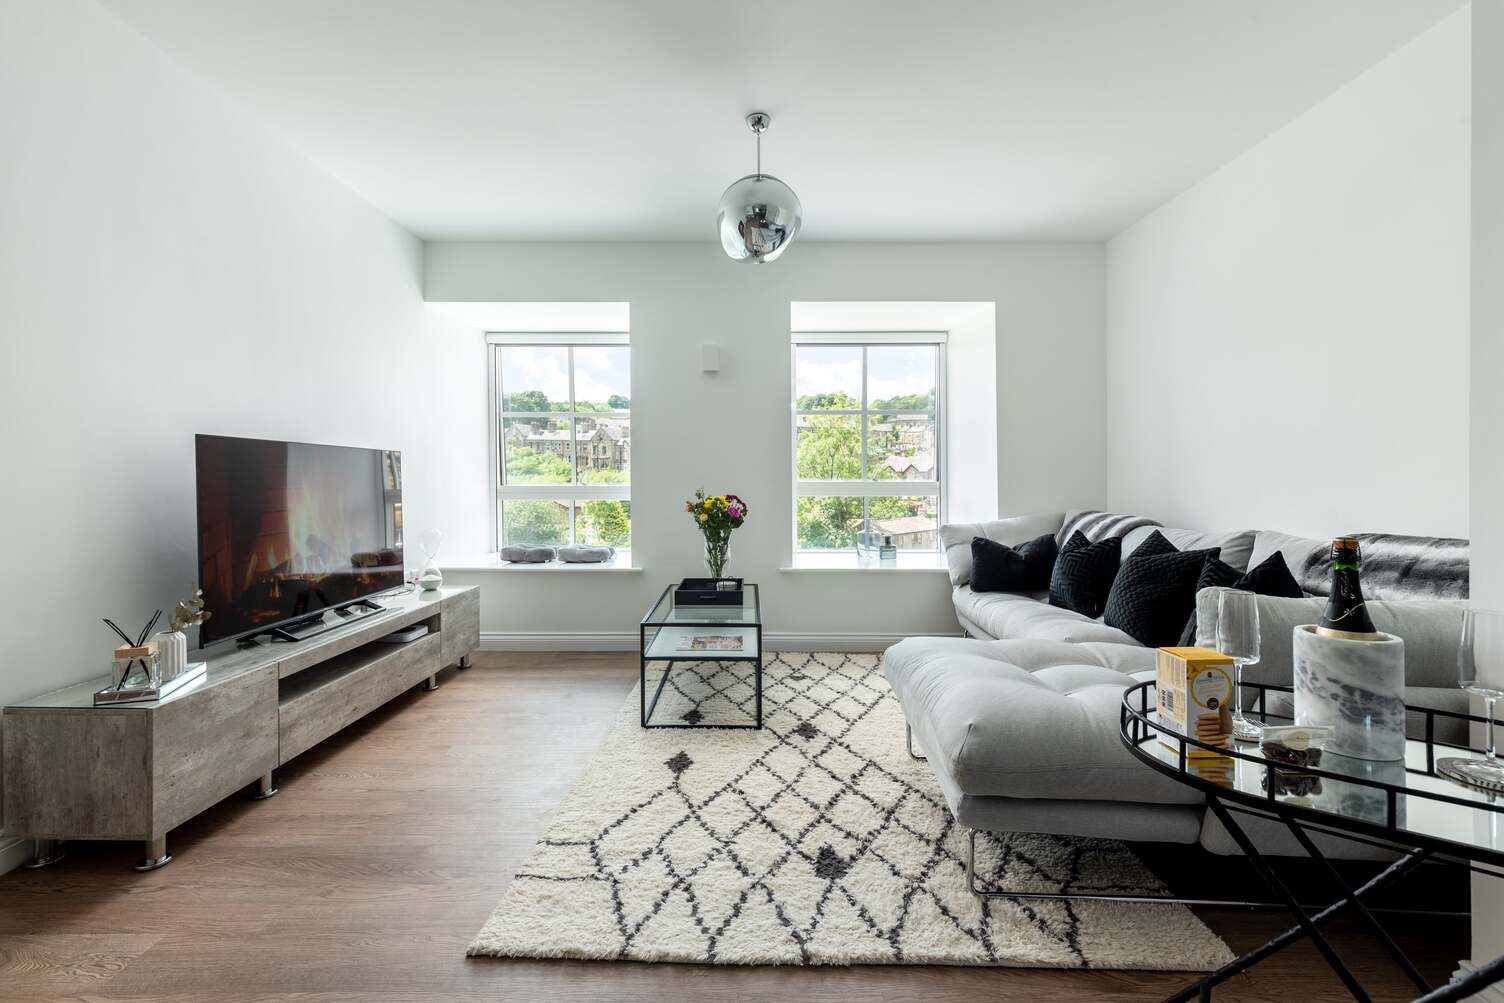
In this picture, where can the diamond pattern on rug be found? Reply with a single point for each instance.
(815, 840)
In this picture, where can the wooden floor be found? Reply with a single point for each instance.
(390, 844)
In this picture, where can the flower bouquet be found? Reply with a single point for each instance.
(716, 516)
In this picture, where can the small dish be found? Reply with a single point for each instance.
(1294, 744)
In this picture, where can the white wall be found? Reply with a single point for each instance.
(725, 431)
(1487, 494)
(166, 267)
(1287, 340)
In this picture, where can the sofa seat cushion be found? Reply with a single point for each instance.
(1007, 615)
(1024, 719)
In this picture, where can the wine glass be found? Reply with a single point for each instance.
(1238, 638)
(1480, 671)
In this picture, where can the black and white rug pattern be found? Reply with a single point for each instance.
(816, 840)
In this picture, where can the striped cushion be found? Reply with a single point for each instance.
(1099, 525)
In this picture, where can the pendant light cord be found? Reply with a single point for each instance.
(759, 152)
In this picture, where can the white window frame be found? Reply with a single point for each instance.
(866, 488)
(574, 493)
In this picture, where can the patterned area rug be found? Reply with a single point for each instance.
(816, 840)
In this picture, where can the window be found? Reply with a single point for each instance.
(867, 439)
(562, 438)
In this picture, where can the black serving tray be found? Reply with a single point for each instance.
(702, 592)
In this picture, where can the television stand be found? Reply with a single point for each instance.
(138, 771)
(318, 623)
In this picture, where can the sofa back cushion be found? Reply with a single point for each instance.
(1429, 628)
(1394, 567)
(1235, 546)
(956, 538)
(1096, 525)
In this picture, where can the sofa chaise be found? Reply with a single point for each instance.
(1019, 720)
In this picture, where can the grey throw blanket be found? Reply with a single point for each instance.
(580, 554)
(527, 555)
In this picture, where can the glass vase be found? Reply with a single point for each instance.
(716, 554)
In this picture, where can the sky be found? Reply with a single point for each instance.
(892, 370)
(599, 371)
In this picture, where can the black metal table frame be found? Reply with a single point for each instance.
(1136, 727)
(647, 708)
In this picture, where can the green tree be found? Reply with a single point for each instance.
(530, 466)
(606, 521)
(829, 401)
(536, 522)
(619, 402)
(906, 402)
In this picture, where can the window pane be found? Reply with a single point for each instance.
(901, 376)
(828, 447)
(911, 522)
(602, 377)
(534, 378)
(901, 447)
(604, 448)
(604, 522)
(536, 450)
(536, 523)
(828, 377)
(828, 523)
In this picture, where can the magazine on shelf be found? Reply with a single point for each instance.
(711, 642)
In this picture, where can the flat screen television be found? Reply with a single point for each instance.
(288, 530)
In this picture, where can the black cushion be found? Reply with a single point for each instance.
(1155, 591)
(1271, 578)
(1084, 572)
(999, 568)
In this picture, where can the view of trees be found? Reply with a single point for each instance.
(830, 449)
(537, 401)
(546, 523)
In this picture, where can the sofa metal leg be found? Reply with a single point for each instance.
(1000, 893)
(908, 742)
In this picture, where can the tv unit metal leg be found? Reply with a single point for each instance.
(264, 788)
(45, 852)
(156, 854)
(464, 661)
(431, 683)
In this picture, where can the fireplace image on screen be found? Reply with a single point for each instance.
(290, 530)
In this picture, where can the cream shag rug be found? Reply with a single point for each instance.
(816, 840)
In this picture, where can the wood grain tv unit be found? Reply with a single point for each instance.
(136, 771)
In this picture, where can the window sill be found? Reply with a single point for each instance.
(847, 561)
(622, 562)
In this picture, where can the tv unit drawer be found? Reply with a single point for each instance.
(319, 701)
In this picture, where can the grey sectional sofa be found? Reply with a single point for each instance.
(1019, 721)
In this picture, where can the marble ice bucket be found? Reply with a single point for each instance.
(1355, 687)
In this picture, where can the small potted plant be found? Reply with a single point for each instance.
(716, 516)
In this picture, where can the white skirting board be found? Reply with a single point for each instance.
(628, 641)
(1490, 994)
(13, 853)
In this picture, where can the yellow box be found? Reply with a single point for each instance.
(1194, 687)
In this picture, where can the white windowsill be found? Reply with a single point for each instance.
(622, 562)
(846, 561)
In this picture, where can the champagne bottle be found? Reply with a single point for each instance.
(1346, 614)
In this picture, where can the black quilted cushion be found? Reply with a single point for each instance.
(1271, 578)
(999, 568)
(1155, 591)
(1084, 572)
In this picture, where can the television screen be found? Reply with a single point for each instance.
(286, 529)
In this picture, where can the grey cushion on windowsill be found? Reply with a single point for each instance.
(527, 555)
(580, 554)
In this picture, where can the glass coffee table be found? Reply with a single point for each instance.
(702, 655)
(1406, 807)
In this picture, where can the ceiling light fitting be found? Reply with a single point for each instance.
(759, 215)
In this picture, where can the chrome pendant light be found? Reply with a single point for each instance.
(759, 215)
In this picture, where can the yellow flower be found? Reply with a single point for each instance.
(702, 516)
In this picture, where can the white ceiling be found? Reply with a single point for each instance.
(892, 119)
